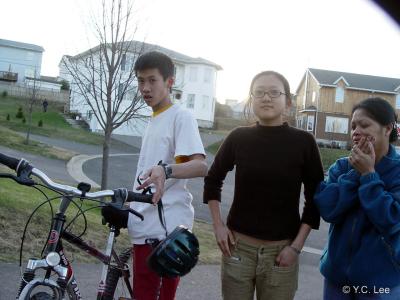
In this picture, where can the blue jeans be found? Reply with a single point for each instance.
(348, 292)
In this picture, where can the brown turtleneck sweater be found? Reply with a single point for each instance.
(271, 164)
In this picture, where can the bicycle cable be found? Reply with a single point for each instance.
(82, 212)
(29, 219)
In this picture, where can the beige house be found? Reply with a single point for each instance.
(325, 99)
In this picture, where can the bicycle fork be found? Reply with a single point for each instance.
(54, 260)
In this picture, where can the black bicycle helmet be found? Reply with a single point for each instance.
(176, 255)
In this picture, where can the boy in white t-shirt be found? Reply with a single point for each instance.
(172, 136)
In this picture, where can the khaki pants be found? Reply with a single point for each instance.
(253, 268)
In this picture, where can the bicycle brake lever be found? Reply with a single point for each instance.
(139, 215)
(146, 190)
(21, 180)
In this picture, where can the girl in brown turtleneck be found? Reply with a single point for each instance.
(264, 233)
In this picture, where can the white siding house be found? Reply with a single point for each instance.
(19, 60)
(194, 88)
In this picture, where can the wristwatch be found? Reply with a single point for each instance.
(167, 170)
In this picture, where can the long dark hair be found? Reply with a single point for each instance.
(382, 112)
(247, 107)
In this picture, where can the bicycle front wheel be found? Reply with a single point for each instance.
(41, 291)
(115, 272)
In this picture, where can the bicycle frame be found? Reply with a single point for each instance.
(64, 269)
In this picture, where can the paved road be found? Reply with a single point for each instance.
(203, 282)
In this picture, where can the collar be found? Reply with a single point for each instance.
(387, 160)
(156, 113)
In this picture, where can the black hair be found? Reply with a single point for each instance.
(382, 112)
(155, 60)
(286, 87)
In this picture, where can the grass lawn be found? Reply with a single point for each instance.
(328, 156)
(54, 124)
(13, 140)
(18, 202)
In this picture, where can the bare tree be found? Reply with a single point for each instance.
(103, 77)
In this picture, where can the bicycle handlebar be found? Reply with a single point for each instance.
(19, 165)
(10, 162)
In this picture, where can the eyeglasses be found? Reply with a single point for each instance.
(271, 93)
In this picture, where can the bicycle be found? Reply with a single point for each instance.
(54, 260)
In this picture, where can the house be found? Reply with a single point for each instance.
(19, 60)
(325, 100)
(194, 88)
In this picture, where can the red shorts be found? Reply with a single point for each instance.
(146, 283)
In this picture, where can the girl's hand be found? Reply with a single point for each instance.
(287, 257)
(362, 156)
(224, 238)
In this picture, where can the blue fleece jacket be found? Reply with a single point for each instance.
(364, 211)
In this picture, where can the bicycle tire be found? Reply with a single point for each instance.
(46, 296)
(114, 274)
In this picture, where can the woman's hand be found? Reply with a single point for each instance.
(224, 238)
(287, 257)
(362, 156)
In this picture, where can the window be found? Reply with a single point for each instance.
(339, 97)
(398, 101)
(123, 62)
(300, 123)
(336, 125)
(193, 74)
(207, 75)
(310, 123)
(213, 105)
(314, 95)
(87, 62)
(190, 100)
(121, 91)
(89, 114)
(205, 102)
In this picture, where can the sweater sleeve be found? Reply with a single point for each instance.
(223, 163)
(313, 173)
(339, 193)
(382, 206)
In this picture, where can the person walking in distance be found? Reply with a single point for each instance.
(264, 233)
(45, 104)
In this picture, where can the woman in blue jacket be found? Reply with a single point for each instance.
(361, 201)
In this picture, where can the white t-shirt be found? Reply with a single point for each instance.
(172, 133)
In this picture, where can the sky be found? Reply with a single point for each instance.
(244, 37)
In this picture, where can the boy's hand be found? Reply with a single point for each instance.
(155, 176)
